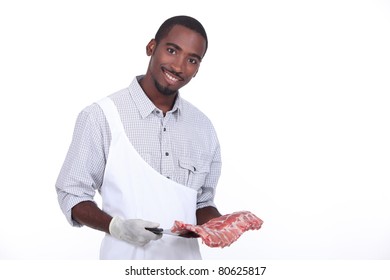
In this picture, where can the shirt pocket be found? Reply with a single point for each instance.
(194, 172)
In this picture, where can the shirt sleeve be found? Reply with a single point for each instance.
(207, 194)
(83, 169)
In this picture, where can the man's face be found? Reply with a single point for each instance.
(176, 59)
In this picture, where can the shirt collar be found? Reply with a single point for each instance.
(144, 104)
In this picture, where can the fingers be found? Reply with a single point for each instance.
(133, 230)
(148, 234)
(150, 224)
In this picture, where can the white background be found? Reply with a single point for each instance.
(298, 92)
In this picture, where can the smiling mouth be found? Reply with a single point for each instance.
(172, 78)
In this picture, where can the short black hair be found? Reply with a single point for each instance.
(185, 21)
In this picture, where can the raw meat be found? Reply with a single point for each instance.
(221, 231)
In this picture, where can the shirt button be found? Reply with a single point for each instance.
(167, 154)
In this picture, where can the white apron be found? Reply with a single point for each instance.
(132, 189)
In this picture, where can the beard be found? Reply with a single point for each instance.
(164, 90)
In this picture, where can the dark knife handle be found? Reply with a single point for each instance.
(155, 230)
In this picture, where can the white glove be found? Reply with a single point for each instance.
(133, 231)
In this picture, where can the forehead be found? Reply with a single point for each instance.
(188, 40)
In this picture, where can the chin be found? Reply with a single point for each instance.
(167, 91)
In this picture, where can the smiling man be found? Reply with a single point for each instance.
(175, 60)
(152, 156)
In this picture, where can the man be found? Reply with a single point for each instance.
(152, 156)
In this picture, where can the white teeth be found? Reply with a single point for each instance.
(171, 78)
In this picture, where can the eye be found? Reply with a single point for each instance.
(171, 50)
(193, 61)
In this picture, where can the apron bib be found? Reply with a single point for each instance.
(132, 189)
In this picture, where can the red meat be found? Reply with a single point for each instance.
(221, 231)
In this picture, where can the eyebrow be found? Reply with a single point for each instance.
(180, 49)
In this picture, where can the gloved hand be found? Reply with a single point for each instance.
(133, 230)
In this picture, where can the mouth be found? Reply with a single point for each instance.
(171, 78)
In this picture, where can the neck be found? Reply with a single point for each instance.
(161, 101)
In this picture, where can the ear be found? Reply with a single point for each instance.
(150, 47)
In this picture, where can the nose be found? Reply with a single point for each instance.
(178, 64)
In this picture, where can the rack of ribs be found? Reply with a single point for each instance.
(221, 231)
